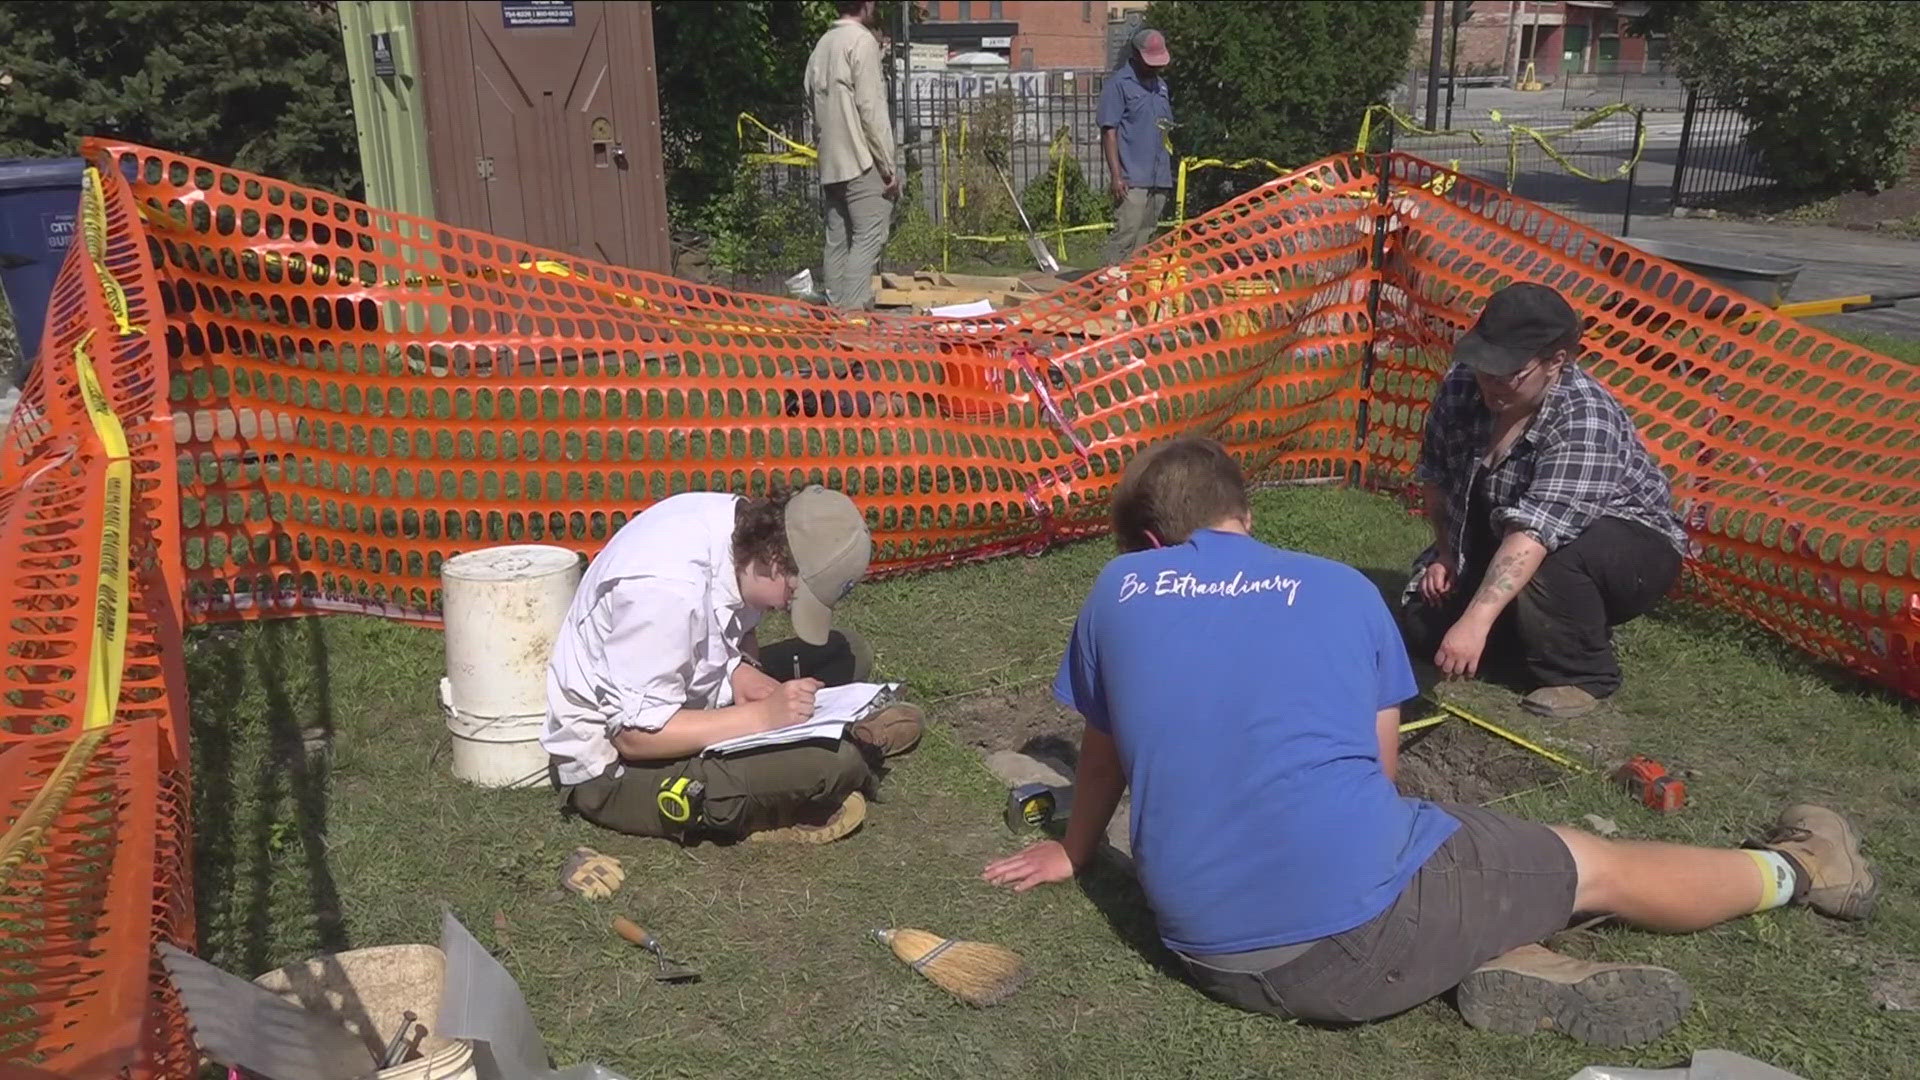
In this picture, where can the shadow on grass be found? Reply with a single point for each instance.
(251, 811)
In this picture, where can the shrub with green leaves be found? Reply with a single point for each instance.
(1830, 89)
(1287, 82)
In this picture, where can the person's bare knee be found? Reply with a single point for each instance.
(1595, 868)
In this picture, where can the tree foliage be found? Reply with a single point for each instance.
(257, 84)
(716, 61)
(1283, 81)
(1829, 89)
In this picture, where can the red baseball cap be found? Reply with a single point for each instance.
(1152, 47)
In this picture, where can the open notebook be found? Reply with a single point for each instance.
(834, 708)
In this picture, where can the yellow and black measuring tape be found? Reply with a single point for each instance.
(680, 799)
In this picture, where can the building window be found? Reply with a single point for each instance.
(933, 10)
(966, 11)
(1086, 10)
(995, 11)
(1026, 59)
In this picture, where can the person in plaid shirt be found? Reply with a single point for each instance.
(1551, 522)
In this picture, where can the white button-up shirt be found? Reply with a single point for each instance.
(655, 628)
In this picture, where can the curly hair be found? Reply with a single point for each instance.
(760, 533)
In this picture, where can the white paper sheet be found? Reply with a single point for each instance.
(972, 310)
(834, 708)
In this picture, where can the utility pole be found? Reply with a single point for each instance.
(1434, 62)
(1458, 13)
(1510, 56)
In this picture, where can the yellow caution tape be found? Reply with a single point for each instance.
(797, 153)
(110, 591)
(106, 664)
(1408, 124)
(1516, 133)
(93, 228)
(24, 835)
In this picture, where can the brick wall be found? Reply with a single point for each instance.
(1061, 34)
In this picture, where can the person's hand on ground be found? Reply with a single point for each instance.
(792, 704)
(892, 187)
(1459, 655)
(750, 684)
(1119, 189)
(1038, 864)
(1436, 581)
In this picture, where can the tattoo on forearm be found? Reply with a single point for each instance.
(1504, 578)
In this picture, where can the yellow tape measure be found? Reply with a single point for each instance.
(680, 799)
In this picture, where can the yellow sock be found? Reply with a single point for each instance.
(1776, 878)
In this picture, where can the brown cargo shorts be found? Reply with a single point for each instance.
(1496, 884)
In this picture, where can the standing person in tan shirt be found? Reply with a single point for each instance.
(847, 98)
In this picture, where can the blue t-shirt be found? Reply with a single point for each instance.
(1135, 111)
(1240, 684)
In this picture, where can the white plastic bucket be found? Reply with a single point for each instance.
(503, 607)
(495, 751)
(369, 991)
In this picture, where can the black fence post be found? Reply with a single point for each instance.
(1626, 216)
(1686, 141)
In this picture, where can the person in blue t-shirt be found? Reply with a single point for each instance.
(1136, 109)
(1250, 699)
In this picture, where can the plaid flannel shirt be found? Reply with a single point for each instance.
(1579, 460)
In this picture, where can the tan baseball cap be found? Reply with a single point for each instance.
(831, 546)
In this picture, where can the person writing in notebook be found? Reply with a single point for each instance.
(658, 659)
(1250, 699)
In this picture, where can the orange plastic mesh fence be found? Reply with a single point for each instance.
(347, 397)
(360, 395)
(97, 843)
(1792, 453)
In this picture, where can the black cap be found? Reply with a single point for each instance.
(1519, 323)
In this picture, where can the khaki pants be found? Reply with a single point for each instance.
(760, 789)
(1134, 221)
(859, 215)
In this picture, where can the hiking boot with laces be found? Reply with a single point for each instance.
(845, 818)
(1839, 881)
(893, 730)
(1534, 989)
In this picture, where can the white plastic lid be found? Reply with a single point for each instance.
(511, 562)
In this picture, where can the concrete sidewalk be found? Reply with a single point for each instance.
(1839, 262)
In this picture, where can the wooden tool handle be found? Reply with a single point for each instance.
(627, 929)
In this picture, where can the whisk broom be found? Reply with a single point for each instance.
(973, 971)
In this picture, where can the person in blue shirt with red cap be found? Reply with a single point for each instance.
(1135, 112)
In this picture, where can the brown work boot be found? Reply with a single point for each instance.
(893, 730)
(846, 818)
(1560, 702)
(1534, 989)
(1839, 880)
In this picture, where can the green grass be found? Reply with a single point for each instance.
(297, 854)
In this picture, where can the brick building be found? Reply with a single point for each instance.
(1032, 35)
(1559, 38)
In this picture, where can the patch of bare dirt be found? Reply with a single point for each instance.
(1897, 208)
(1452, 762)
(1024, 718)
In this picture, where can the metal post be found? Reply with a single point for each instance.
(1626, 216)
(1680, 155)
(1510, 55)
(1453, 56)
(1433, 65)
